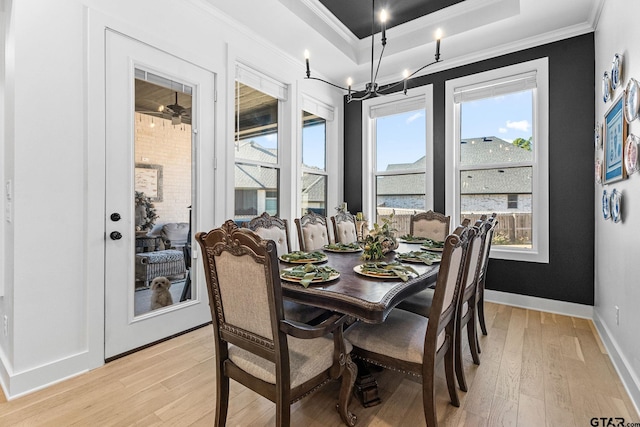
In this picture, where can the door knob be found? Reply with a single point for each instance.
(115, 216)
(115, 235)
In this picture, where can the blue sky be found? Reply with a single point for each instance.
(401, 136)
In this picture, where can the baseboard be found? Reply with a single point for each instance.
(4, 373)
(540, 304)
(628, 377)
(19, 384)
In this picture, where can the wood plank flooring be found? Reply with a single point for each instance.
(537, 369)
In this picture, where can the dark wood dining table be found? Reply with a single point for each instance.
(368, 299)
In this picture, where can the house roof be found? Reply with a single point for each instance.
(483, 150)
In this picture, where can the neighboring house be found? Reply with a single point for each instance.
(314, 192)
(504, 190)
(256, 187)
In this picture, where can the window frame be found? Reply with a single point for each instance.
(369, 169)
(540, 131)
(267, 85)
(326, 112)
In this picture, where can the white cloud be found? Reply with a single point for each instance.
(502, 130)
(522, 125)
(414, 117)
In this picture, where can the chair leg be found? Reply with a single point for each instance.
(483, 326)
(450, 375)
(472, 335)
(222, 400)
(349, 375)
(458, 360)
(429, 399)
(283, 412)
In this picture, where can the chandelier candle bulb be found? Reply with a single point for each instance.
(306, 60)
(383, 20)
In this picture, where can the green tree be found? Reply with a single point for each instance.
(523, 143)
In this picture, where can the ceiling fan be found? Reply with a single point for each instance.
(176, 111)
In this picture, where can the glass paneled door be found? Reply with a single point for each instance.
(154, 101)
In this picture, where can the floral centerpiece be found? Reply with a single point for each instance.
(380, 240)
(145, 213)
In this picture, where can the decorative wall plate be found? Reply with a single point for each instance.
(597, 136)
(598, 171)
(631, 100)
(606, 207)
(616, 205)
(616, 71)
(631, 154)
(606, 87)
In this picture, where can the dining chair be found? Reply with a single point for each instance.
(273, 228)
(313, 231)
(344, 227)
(490, 227)
(414, 344)
(467, 304)
(277, 358)
(430, 224)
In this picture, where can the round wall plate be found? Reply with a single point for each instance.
(616, 71)
(631, 100)
(606, 87)
(616, 205)
(606, 207)
(598, 171)
(631, 154)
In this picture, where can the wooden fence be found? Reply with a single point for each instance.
(512, 229)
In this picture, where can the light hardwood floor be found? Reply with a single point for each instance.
(537, 369)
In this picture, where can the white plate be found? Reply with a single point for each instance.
(606, 207)
(631, 100)
(631, 154)
(616, 71)
(606, 87)
(429, 248)
(416, 241)
(598, 171)
(616, 202)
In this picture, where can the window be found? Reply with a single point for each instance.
(257, 165)
(398, 156)
(497, 155)
(314, 170)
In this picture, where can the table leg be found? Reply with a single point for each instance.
(366, 387)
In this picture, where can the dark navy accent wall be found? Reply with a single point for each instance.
(569, 275)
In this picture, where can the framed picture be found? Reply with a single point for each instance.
(148, 180)
(615, 135)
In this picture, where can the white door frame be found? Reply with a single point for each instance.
(93, 264)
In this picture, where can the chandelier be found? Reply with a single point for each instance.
(372, 88)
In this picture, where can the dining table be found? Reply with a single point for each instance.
(366, 298)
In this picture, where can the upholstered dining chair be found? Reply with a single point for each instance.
(414, 344)
(466, 313)
(490, 227)
(273, 228)
(344, 227)
(430, 224)
(277, 358)
(313, 231)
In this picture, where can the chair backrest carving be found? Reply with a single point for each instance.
(272, 228)
(241, 270)
(344, 227)
(430, 224)
(313, 232)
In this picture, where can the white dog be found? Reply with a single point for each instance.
(160, 295)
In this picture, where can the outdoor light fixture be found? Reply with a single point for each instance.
(372, 88)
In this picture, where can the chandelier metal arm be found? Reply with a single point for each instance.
(324, 81)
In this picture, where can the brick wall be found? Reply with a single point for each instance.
(158, 142)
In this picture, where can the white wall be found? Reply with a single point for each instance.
(53, 274)
(617, 246)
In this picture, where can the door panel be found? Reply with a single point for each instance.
(154, 101)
